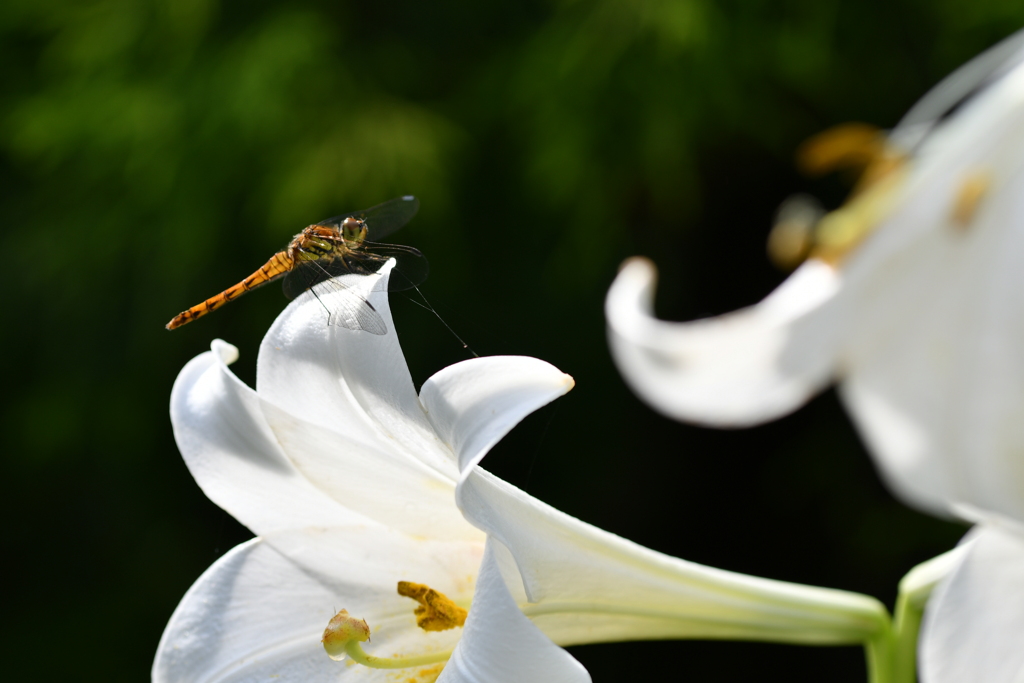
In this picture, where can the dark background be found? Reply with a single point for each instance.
(152, 153)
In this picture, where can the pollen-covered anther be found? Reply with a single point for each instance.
(342, 630)
(436, 612)
(792, 234)
(847, 146)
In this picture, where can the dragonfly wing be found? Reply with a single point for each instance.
(302, 277)
(309, 273)
(411, 267)
(347, 308)
(340, 290)
(383, 219)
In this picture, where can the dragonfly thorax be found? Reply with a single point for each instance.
(309, 245)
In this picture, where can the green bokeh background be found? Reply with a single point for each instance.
(152, 153)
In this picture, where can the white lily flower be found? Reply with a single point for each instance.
(354, 483)
(921, 323)
(913, 302)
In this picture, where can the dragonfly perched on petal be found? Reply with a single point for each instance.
(329, 249)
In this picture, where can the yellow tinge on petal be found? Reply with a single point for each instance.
(436, 612)
(969, 197)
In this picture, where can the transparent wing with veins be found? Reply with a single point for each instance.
(383, 219)
(337, 281)
(341, 291)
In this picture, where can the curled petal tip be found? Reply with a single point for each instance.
(637, 262)
(640, 270)
(628, 303)
(228, 353)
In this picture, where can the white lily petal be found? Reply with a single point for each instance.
(590, 586)
(974, 620)
(934, 376)
(473, 404)
(259, 612)
(500, 645)
(379, 480)
(349, 381)
(738, 369)
(233, 454)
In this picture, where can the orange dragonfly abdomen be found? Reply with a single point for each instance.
(279, 264)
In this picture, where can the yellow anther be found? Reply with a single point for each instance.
(342, 630)
(792, 235)
(968, 198)
(800, 230)
(846, 146)
(436, 611)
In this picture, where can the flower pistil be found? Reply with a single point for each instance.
(437, 612)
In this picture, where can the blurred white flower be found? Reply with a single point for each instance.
(913, 301)
(354, 483)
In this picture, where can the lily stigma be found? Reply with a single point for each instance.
(436, 612)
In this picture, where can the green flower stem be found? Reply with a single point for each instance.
(906, 629)
(915, 589)
(879, 651)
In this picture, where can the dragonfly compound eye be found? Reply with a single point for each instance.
(353, 229)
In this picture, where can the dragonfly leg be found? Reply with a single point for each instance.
(313, 290)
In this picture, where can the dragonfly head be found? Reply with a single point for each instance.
(353, 229)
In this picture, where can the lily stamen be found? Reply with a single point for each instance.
(854, 146)
(800, 231)
(436, 612)
(343, 636)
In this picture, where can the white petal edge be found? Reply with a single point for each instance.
(938, 101)
(473, 404)
(734, 370)
(500, 645)
(259, 611)
(974, 622)
(233, 454)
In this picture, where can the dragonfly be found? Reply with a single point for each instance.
(327, 249)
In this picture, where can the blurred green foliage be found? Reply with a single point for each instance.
(153, 153)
